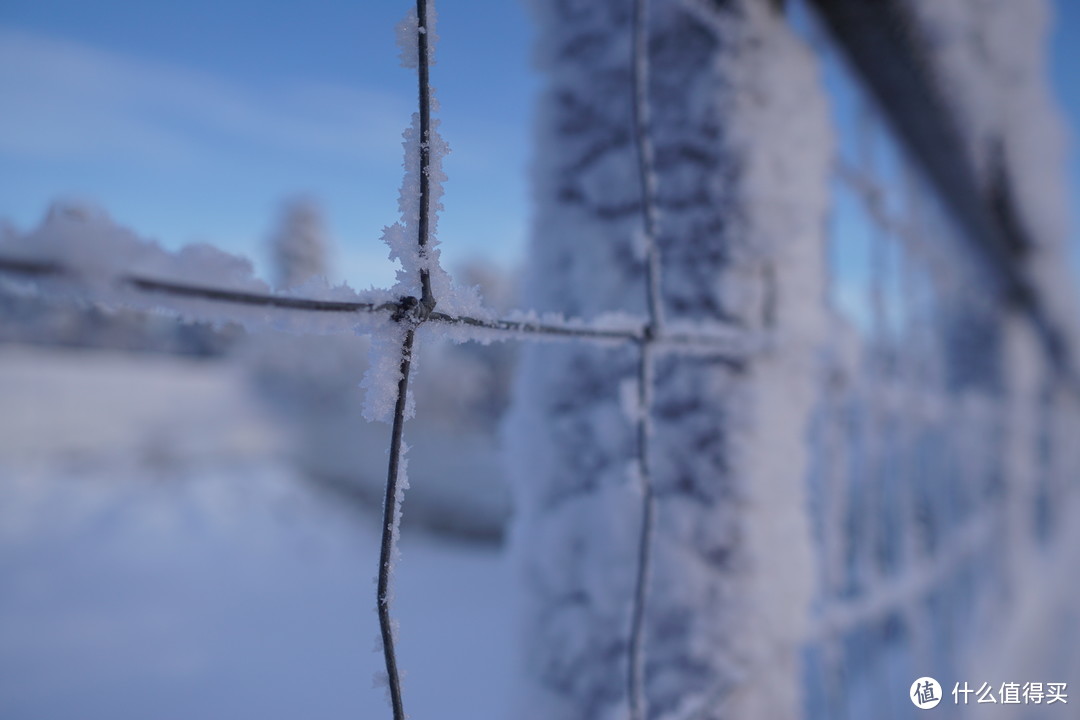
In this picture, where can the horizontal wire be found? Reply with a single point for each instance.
(45, 268)
(636, 334)
(250, 298)
(541, 328)
(30, 267)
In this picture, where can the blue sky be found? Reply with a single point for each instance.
(192, 121)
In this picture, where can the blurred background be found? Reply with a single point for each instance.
(189, 513)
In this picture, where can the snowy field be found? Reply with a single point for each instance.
(159, 558)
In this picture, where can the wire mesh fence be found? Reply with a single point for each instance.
(919, 504)
(915, 401)
(410, 311)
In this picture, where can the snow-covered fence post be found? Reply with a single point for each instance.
(741, 194)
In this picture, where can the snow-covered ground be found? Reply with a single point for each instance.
(160, 558)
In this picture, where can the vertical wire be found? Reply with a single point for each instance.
(426, 305)
(390, 509)
(643, 142)
(646, 162)
(914, 421)
(636, 667)
(427, 299)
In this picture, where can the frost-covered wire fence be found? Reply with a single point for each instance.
(412, 303)
(912, 421)
(924, 492)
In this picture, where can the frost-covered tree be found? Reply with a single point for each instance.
(740, 239)
(299, 245)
